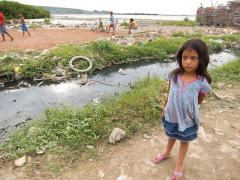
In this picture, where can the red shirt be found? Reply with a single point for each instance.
(1, 18)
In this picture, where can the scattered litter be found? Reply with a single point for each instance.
(124, 177)
(39, 84)
(101, 174)
(44, 52)
(96, 101)
(24, 84)
(89, 146)
(40, 150)
(146, 136)
(121, 71)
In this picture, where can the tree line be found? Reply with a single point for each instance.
(12, 10)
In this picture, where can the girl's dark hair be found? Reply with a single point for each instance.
(203, 57)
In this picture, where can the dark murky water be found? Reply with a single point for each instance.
(19, 105)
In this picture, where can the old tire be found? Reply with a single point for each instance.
(80, 70)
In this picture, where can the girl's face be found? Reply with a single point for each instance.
(190, 60)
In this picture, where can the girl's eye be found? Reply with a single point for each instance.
(194, 58)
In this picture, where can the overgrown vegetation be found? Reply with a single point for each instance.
(126, 24)
(185, 22)
(228, 73)
(12, 10)
(104, 53)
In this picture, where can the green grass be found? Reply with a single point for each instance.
(179, 23)
(126, 24)
(103, 54)
(228, 73)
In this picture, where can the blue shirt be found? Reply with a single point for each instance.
(182, 106)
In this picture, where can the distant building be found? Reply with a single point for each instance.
(220, 16)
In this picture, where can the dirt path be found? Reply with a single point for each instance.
(46, 38)
(215, 155)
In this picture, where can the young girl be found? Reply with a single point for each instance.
(188, 85)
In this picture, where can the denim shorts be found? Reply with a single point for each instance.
(24, 27)
(2, 29)
(171, 130)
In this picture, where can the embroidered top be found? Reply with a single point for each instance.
(182, 106)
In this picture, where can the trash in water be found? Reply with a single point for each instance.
(121, 71)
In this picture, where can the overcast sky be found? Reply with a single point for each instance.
(130, 6)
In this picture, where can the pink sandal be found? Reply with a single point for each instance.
(159, 158)
(176, 174)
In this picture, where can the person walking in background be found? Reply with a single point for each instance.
(112, 23)
(23, 25)
(187, 87)
(132, 25)
(3, 30)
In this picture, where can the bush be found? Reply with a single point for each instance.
(126, 24)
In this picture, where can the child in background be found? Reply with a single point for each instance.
(188, 86)
(3, 30)
(23, 25)
(112, 23)
(132, 25)
(100, 25)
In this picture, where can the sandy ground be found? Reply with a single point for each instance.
(46, 38)
(215, 155)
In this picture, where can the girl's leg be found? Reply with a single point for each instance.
(161, 157)
(181, 156)
(170, 145)
(28, 33)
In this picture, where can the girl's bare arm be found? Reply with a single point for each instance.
(166, 100)
(201, 97)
